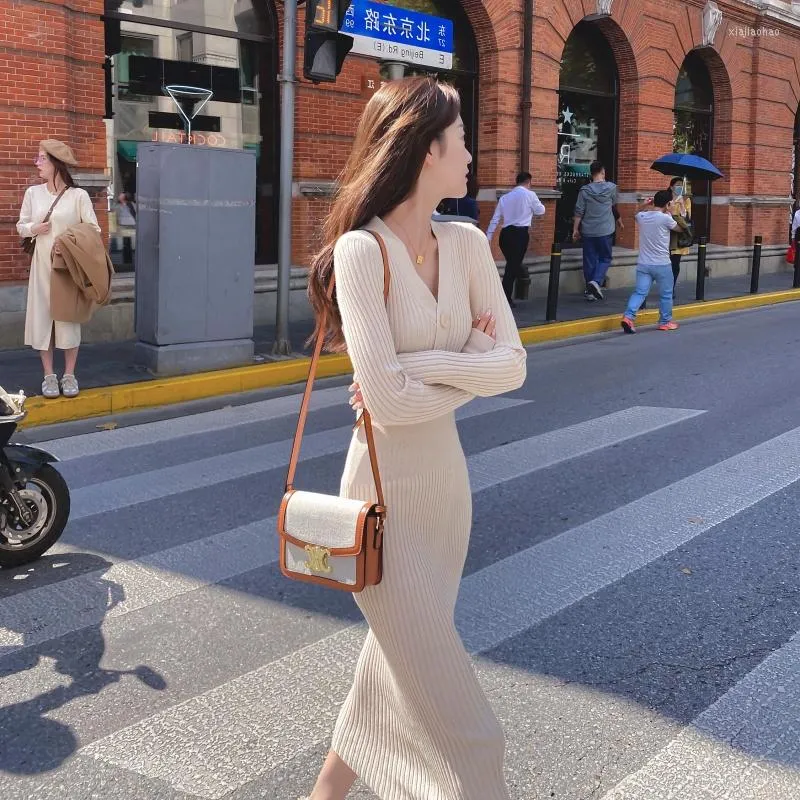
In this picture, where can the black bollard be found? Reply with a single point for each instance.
(755, 273)
(700, 292)
(796, 281)
(552, 286)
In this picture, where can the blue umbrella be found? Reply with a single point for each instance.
(686, 165)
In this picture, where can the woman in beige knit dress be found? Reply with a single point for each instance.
(416, 725)
(74, 206)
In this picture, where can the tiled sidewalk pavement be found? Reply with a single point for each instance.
(111, 363)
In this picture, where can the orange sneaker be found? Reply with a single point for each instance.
(628, 325)
(668, 326)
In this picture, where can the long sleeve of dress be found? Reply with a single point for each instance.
(390, 394)
(26, 221)
(87, 210)
(496, 371)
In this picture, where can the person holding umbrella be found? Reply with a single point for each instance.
(682, 207)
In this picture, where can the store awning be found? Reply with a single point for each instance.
(127, 149)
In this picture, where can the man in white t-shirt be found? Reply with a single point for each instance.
(653, 263)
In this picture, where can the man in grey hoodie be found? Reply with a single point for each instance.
(595, 221)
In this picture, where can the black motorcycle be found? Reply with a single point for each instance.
(34, 498)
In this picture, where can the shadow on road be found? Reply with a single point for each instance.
(30, 741)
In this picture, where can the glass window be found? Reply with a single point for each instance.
(587, 119)
(241, 113)
(693, 90)
(588, 63)
(795, 171)
(236, 16)
(692, 131)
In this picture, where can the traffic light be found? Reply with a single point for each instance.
(325, 47)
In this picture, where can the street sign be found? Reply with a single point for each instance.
(390, 33)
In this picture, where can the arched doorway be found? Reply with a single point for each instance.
(464, 73)
(227, 47)
(693, 130)
(588, 112)
(795, 171)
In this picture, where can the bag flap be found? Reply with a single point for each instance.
(325, 520)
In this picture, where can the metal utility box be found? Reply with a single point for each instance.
(195, 246)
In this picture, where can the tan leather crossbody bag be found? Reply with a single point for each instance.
(325, 539)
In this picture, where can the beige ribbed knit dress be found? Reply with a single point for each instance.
(416, 725)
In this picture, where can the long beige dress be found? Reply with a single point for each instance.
(416, 725)
(74, 207)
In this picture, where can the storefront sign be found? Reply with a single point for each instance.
(572, 174)
(179, 137)
(390, 33)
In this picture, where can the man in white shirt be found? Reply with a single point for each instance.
(517, 208)
(653, 263)
(796, 222)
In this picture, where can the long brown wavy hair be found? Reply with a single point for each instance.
(62, 171)
(394, 135)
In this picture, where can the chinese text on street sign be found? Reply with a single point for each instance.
(396, 34)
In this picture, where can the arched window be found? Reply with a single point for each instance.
(587, 118)
(693, 130)
(227, 46)
(464, 74)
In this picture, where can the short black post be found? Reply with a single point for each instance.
(552, 286)
(796, 281)
(700, 292)
(756, 270)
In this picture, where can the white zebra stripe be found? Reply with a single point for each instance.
(746, 745)
(94, 444)
(41, 614)
(495, 604)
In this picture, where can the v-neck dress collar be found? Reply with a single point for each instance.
(404, 263)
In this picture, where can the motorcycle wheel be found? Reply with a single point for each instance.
(47, 494)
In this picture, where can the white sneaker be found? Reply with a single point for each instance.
(50, 387)
(69, 386)
(594, 288)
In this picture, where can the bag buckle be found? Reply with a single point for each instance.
(318, 559)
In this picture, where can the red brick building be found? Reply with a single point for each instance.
(621, 80)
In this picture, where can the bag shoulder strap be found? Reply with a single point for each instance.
(55, 203)
(312, 371)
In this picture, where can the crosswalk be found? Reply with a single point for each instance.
(156, 652)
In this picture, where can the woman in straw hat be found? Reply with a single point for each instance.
(72, 205)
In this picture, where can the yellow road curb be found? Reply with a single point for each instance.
(168, 391)
(593, 325)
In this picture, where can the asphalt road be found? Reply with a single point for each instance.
(631, 594)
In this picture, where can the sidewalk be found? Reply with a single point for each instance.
(112, 363)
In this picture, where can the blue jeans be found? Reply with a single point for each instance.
(596, 257)
(645, 275)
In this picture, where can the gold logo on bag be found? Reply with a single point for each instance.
(318, 558)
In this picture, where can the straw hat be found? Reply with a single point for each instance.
(59, 150)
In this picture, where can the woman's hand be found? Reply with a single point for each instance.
(357, 400)
(486, 323)
(40, 228)
(57, 247)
